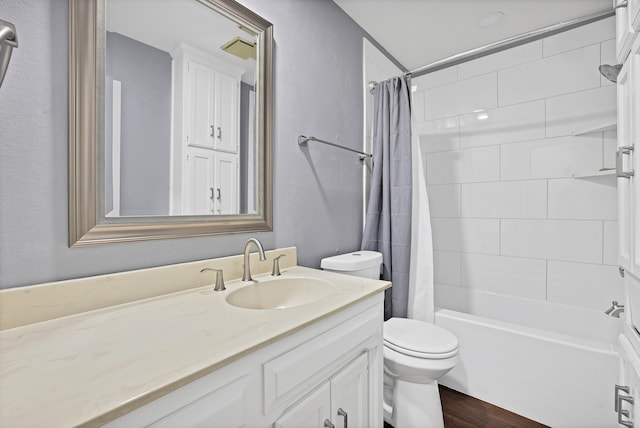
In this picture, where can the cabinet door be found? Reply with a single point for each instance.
(310, 412)
(226, 189)
(624, 33)
(200, 105)
(199, 189)
(227, 111)
(350, 394)
(634, 14)
(634, 156)
(624, 184)
(630, 383)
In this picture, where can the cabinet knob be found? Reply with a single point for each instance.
(328, 424)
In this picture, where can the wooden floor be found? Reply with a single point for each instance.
(462, 411)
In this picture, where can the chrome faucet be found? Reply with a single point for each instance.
(246, 276)
(615, 310)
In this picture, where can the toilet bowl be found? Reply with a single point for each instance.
(416, 354)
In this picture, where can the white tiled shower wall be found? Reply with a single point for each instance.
(498, 143)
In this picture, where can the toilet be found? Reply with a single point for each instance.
(416, 354)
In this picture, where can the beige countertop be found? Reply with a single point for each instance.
(91, 367)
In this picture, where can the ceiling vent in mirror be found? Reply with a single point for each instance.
(240, 48)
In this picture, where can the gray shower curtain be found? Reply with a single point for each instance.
(388, 220)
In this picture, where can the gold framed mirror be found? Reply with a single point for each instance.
(215, 176)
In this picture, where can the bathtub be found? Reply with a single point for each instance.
(552, 363)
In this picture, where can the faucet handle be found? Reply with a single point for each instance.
(276, 266)
(219, 279)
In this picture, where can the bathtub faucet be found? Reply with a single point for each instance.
(615, 310)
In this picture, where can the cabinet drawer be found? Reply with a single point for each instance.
(209, 401)
(222, 407)
(298, 370)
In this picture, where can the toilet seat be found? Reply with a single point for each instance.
(419, 339)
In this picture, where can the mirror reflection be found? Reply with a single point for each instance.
(180, 111)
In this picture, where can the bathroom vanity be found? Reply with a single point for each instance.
(188, 357)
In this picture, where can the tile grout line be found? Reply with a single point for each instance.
(545, 119)
(602, 241)
(546, 279)
(518, 103)
(547, 180)
(497, 90)
(500, 237)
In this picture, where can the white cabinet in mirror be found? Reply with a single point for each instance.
(180, 101)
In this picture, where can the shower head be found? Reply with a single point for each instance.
(610, 71)
(8, 41)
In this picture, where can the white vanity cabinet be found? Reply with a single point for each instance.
(349, 395)
(301, 380)
(206, 124)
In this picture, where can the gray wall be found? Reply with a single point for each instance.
(145, 73)
(317, 205)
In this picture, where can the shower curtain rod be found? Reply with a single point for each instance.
(512, 42)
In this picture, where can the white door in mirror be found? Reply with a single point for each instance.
(207, 133)
(226, 191)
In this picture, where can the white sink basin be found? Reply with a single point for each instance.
(280, 293)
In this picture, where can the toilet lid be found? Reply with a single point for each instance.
(419, 339)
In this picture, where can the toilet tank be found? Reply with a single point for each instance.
(360, 263)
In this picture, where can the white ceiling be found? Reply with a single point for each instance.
(419, 32)
(164, 24)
